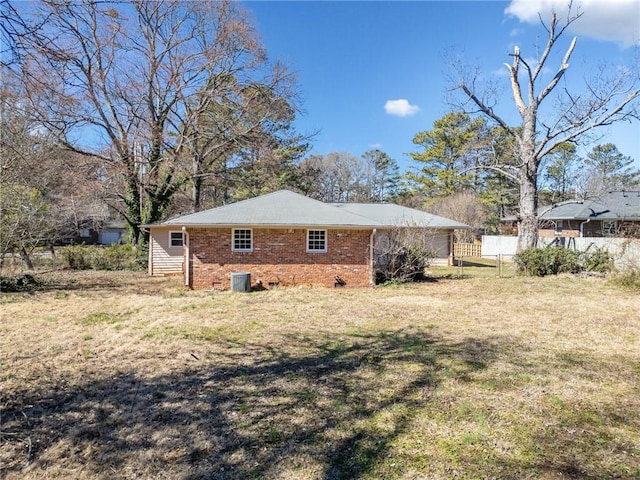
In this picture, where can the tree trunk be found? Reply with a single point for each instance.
(196, 192)
(25, 258)
(528, 222)
(528, 181)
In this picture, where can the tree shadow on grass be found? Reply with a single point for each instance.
(67, 280)
(328, 412)
(311, 407)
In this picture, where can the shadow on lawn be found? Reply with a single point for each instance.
(67, 280)
(328, 413)
(313, 409)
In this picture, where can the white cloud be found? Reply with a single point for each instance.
(400, 108)
(610, 20)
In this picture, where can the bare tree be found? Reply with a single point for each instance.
(608, 98)
(122, 81)
(23, 221)
(337, 177)
(236, 117)
(464, 207)
(381, 177)
(403, 253)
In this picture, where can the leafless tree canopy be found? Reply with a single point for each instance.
(464, 207)
(157, 91)
(610, 96)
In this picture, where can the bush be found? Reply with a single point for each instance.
(18, 283)
(628, 278)
(112, 257)
(597, 261)
(540, 262)
(77, 257)
(403, 255)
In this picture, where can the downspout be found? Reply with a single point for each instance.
(150, 256)
(150, 253)
(450, 258)
(372, 278)
(582, 227)
(187, 277)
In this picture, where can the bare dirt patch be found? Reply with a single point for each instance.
(119, 375)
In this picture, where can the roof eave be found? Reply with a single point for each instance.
(263, 225)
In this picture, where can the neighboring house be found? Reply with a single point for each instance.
(609, 215)
(90, 232)
(285, 238)
(112, 232)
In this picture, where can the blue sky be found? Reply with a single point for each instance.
(355, 58)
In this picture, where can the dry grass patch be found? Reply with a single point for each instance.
(114, 375)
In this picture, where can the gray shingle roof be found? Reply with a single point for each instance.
(610, 206)
(392, 215)
(286, 208)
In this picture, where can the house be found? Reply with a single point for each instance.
(112, 232)
(93, 232)
(285, 238)
(609, 215)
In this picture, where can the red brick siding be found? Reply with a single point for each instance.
(571, 228)
(279, 256)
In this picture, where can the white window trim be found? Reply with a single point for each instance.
(171, 243)
(606, 232)
(326, 241)
(558, 226)
(233, 240)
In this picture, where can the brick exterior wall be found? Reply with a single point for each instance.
(279, 256)
(571, 228)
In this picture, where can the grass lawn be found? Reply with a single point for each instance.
(118, 375)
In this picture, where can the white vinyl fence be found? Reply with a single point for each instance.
(625, 251)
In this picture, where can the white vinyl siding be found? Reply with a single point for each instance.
(164, 260)
(440, 240)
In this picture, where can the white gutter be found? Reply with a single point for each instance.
(582, 227)
(150, 257)
(186, 257)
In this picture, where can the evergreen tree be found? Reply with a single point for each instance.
(381, 177)
(449, 156)
(561, 174)
(609, 170)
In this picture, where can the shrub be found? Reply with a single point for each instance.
(540, 262)
(403, 255)
(77, 257)
(628, 277)
(547, 261)
(18, 283)
(112, 257)
(597, 261)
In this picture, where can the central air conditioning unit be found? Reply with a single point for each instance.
(241, 282)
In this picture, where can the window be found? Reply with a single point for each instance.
(558, 227)
(609, 229)
(242, 240)
(317, 241)
(176, 239)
